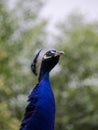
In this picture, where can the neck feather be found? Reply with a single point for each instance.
(43, 73)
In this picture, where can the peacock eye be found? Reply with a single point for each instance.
(48, 54)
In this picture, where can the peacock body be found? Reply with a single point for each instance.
(40, 111)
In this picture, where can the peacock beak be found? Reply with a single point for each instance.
(59, 53)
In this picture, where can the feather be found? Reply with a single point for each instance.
(40, 111)
(34, 63)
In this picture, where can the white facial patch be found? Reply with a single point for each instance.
(46, 57)
(53, 51)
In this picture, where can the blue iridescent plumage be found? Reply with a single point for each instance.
(40, 111)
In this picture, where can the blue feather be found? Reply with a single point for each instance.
(40, 111)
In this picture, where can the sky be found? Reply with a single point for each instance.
(56, 10)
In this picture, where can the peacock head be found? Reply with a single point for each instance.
(48, 61)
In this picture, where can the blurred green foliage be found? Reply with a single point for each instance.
(76, 97)
(74, 84)
(21, 33)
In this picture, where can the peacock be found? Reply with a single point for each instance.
(40, 111)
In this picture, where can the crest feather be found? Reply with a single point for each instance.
(35, 63)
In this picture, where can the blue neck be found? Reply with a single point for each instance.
(43, 74)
